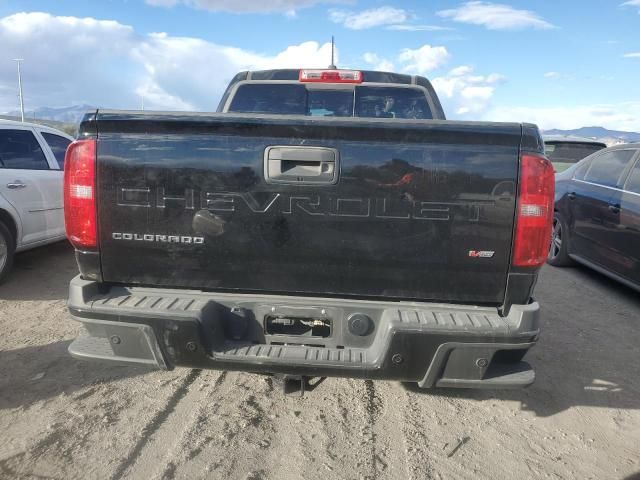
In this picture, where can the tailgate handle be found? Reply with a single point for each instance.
(301, 165)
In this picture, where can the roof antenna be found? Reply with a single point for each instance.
(332, 66)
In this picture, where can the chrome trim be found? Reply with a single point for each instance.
(606, 186)
(37, 210)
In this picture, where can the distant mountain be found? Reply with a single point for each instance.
(600, 133)
(69, 128)
(62, 114)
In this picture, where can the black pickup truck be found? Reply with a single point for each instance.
(321, 223)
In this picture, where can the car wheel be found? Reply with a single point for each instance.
(7, 248)
(558, 251)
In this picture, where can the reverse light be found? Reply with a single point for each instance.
(80, 217)
(534, 217)
(331, 76)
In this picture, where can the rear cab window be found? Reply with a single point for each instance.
(390, 102)
(20, 150)
(352, 101)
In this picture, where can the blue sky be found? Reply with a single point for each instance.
(560, 64)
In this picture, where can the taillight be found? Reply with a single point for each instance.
(80, 217)
(534, 216)
(331, 76)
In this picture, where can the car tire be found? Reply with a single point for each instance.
(7, 249)
(559, 249)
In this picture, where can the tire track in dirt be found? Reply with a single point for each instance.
(359, 407)
(388, 450)
(415, 440)
(158, 424)
(323, 435)
(230, 435)
(192, 438)
(345, 429)
(373, 406)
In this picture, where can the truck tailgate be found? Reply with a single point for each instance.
(418, 210)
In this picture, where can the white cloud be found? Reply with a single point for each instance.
(464, 93)
(631, 3)
(461, 70)
(390, 18)
(552, 75)
(377, 63)
(166, 58)
(620, 116)
(408, 27)
(495, 16)
(424, 59)
(162, 3)
(477, 93)
(66, 59)
(304, 55)
(241, 6)
(632, 54)
(494, 78)
(71, 60)
(461, 91)
(374, 17)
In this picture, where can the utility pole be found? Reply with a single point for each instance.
(18, 60)
(142, 102)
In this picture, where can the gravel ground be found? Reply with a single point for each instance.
(61, 418)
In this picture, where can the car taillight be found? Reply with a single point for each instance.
(331, 76)
(79, 194)
(534, 216)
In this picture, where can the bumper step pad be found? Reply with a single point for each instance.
(434, 344)
(295, 353)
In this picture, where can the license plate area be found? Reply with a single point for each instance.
(297, 326)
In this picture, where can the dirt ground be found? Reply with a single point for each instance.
(61, 418)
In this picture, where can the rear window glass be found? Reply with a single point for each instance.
(607, 168)
(389, 102)
(329, 103)
(581, 169)
(633, 183)
(565, 154)
(20, 150)
(270, 98)
(297, 99)
(58, 146)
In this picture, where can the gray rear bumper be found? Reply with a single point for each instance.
(432, 344)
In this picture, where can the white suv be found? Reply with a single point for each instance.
(31, 196)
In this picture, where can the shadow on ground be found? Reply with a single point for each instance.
(588, 353)
(34, 373)
(633, 476)
(41, 274)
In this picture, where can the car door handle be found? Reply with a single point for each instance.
(615, 208)
(571, 195)
(16, 184)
